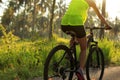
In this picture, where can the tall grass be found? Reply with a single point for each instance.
(24, 60)
(111, 50)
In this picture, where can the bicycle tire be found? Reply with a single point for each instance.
(92, 64)
(58, 68)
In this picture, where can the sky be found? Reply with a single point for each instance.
(112, 7)
(3, 6)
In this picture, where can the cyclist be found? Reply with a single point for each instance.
(74, 20)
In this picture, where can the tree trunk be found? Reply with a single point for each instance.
(103, 13)
(51, 21)
(34, 17)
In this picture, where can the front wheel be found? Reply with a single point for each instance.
(57, 65)
(95, 64)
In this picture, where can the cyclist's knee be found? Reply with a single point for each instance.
(83, 43)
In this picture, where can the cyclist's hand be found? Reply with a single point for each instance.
(108, 27)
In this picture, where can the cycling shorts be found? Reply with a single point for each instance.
(78, 30)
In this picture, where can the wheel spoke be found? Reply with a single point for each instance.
(95, 64)
(57, 66)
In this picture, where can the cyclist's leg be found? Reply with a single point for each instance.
(83, 47)
(82, 40)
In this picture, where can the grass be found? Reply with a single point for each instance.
(111, 51)
(24, 60)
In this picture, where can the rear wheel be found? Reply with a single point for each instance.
(57, 65)
(95, 64)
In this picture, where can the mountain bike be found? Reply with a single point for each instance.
(95, 60)
(62, 62)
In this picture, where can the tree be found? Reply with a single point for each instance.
(51, 19)
(59, 13)
(103, 13)
(25, 16)
(116, 28)
(0, 1)
(7, 18)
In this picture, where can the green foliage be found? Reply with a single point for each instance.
(111, 51)
(20, 61)
(8, 38)
(115, 53)
(25, 59)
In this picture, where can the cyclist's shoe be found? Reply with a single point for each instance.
(80, 75)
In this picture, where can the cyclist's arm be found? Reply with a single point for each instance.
(93, 5)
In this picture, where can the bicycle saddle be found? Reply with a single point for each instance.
(72, 33)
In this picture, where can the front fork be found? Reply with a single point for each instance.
(97, 54)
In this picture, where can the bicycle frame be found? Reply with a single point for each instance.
(90, 46)
(74, 62)
(70, 57)
(73, 51)
(91, 39)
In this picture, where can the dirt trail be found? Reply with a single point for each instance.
(111, 73)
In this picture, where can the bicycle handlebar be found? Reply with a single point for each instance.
(105, 28)
(95, 28)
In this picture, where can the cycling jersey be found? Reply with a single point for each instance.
(76, 13)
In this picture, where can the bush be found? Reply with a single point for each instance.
(111, 51)
(25, 60)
